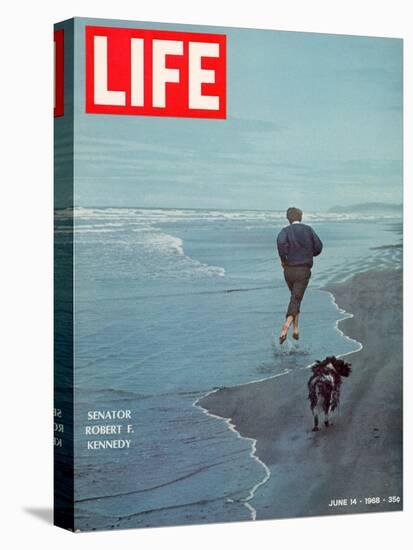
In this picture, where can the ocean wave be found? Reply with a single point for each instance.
(164, 255)
(142, 249)
(161, 241)
(160, 215)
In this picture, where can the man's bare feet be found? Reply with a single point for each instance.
(296, 334)
(284, 332)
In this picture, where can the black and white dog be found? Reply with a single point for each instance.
(324, 387)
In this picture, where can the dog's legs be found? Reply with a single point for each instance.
(327, 422)
(316, 428)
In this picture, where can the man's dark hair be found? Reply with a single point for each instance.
(294, 214)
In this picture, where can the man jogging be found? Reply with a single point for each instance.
(297, 245)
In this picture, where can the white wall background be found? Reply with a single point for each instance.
(26, 271)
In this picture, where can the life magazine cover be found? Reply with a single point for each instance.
(228, 274)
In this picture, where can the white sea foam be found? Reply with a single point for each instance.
(160, 215)
(157, 253)
(162, 241)
(345, 315)
(164, 254)
(267, 473)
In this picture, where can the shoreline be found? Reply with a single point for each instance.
(253, 455)
(305, 471)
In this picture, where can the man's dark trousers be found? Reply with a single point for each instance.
(297, 278)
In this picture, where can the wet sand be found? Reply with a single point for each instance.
(360, 455)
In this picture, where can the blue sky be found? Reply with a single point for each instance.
(313, 120)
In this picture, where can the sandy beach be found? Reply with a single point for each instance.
(360, 455)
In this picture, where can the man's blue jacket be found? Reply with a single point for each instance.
(297, 244)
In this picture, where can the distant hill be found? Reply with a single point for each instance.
(369, 208)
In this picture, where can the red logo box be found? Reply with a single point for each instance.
(156, 73)
(59, 73)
